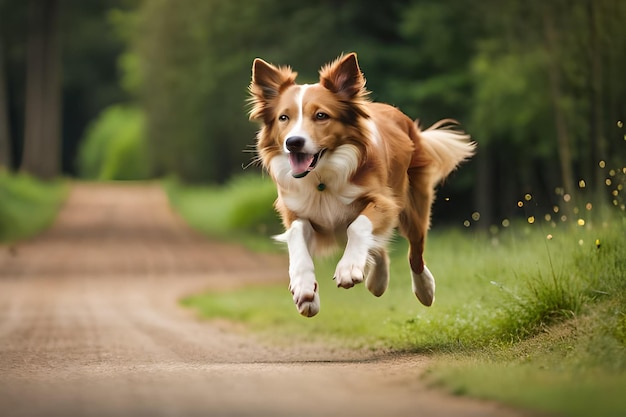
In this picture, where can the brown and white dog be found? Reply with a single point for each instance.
(348, 171)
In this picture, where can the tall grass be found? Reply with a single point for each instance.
(562, 344)
(27, 206)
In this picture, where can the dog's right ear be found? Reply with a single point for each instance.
(267, 83)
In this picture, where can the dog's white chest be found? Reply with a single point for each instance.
(326, 195)
(329, 208)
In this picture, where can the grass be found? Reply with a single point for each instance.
(239, 212)
(27, 206)
(533, 315)
(561, 346)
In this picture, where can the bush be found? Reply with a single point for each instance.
(27, 206)
(241, 210)
(114, 147)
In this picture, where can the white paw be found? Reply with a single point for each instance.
(348, 274)
(306, 298)
(424, 287)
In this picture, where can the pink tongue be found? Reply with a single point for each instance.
(300, 162)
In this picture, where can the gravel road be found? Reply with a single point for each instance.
(90, 325)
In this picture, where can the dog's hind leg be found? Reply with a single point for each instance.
(414, 223)
(378, 276)
(302, 283)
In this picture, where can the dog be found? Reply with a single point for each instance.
(348, 171)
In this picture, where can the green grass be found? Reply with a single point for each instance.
(239, 212)
(561, 344)
(485, 291)
(528, 319)
(27, 206)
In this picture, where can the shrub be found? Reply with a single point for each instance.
(241, 208)
(114, 147)
(27, 206)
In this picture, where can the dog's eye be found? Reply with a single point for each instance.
(283, 118)
(321, 116)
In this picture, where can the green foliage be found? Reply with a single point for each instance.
(27, 206)
(242, 210)
(195, 60)
(548, 301)
(506, 79)
(511, 86)
(432, 85)
(114, 146)
(173, 83)
(513, 73)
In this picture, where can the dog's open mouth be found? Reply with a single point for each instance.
(303, 163)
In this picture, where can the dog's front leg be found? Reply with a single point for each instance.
(302, 282)
(351, 267)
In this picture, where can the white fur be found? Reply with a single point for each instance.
(328, 209)
(448, 148)
(302, 282)
(424, 286)
(297, 130)
(374, 135)
(351, 267)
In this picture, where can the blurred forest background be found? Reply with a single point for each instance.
(131, 89)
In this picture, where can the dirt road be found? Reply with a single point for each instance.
(90, 326)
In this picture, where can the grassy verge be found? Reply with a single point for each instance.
(27, 206)
(532, 315)
(560, 340)
(239, 212)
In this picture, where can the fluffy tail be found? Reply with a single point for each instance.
(447, 147)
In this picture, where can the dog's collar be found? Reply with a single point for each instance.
(320, 184)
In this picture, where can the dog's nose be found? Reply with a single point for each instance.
(294, 143)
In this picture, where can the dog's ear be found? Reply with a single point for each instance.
(267, 83)
(344, 77)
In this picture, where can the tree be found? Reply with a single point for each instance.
(43, 91)
(5, 134)
(545, 98)
(195, 60)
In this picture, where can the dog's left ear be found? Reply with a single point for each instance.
(344, 77)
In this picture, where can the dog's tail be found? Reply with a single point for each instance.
(447, 147)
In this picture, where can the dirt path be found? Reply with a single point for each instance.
(90, 326)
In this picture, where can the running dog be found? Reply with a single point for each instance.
(348, 172)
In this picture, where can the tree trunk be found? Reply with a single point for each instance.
(560, 121)
(5, 133)
(485, 195)
(597, 133)
(43, 92)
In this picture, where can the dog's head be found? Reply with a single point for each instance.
(304, 122)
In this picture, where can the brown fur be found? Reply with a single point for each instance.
(396, 170)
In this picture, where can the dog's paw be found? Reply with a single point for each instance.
(424, 287)
(347, 274)
(377, 278)
(306, 299)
